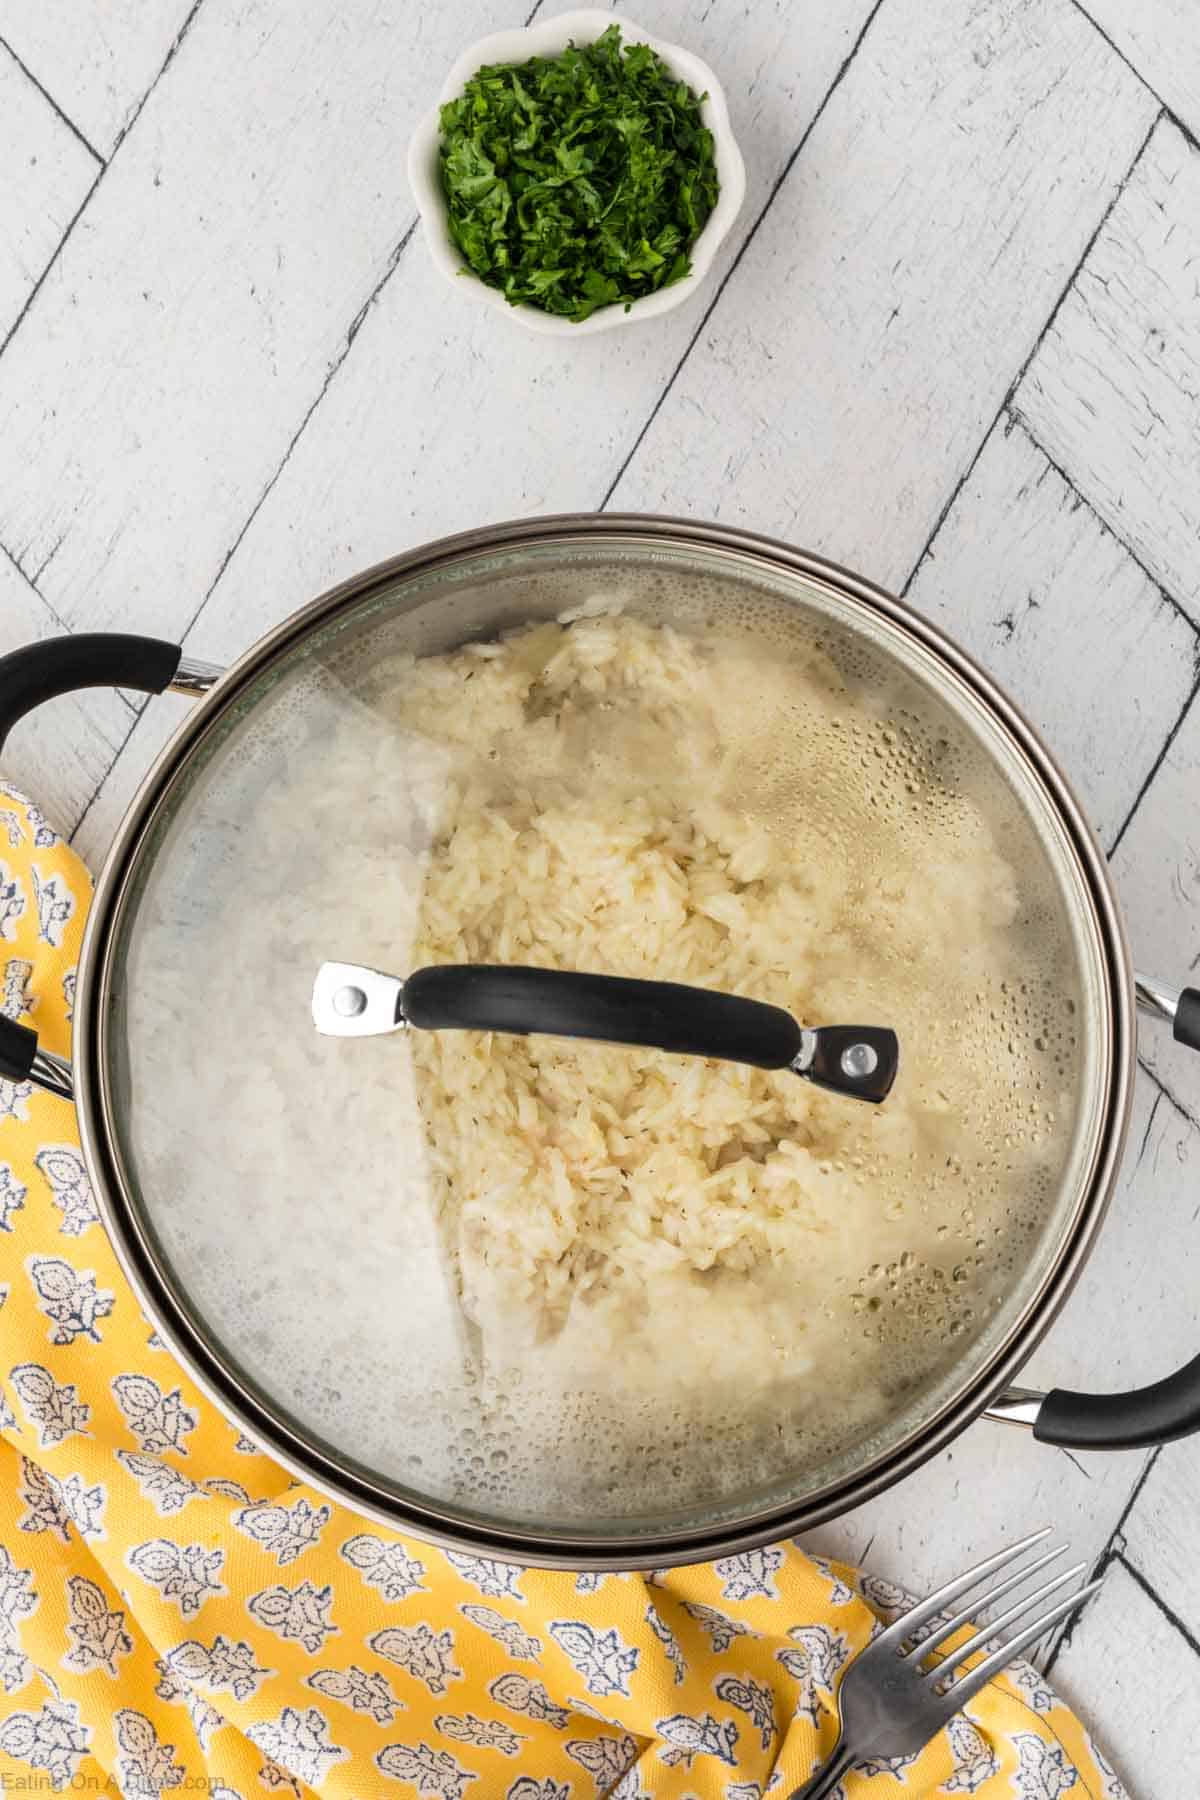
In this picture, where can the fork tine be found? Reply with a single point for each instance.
(1020, 1610)
(927, 1609)
(968, 1685)
(942, 1632)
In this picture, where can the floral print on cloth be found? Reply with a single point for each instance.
(178, 1615)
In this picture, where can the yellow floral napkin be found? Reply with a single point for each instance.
(176, 1613)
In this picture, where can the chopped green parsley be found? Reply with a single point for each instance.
(579, 180)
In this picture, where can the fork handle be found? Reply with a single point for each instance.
(826, 1780)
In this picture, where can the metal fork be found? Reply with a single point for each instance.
(891, 1705)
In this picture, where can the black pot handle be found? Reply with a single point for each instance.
(1180, 1008)
(858, 1060)
(40, 672)
(1145, 1416)
(21, 1060)
(18, 1048)
(57, 666)
(1186, 1023)
(1156, 1414)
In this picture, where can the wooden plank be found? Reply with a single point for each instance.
(97, 61)
(1133, 1680)
(48, 173)
(1161, 38)
(1022, 573)
(197, 311)
(1160, 1533)
(1113, 393)
(995, 1481)
(899, 281)
(443, 415)
(59, 754)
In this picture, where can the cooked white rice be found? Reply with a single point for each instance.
(627, 800)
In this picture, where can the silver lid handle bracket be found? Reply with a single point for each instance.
(1016, 1406)
(350, 1001)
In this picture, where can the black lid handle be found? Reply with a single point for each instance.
(859, 1060)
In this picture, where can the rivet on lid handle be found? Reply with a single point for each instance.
(859, 1060)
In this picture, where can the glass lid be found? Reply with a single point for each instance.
(633, 1284)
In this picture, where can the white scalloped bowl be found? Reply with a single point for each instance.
(548, 38)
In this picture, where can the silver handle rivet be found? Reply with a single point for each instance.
(859, 1061)
(348, 1002)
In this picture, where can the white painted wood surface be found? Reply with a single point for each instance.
(96, 61)
(1160, 1534)
(1022, 573)
(47, 172)
(1161, 38)
(140, 435)
(954, 340)
(899, 281)
(1128, 1665)
(1113, 393)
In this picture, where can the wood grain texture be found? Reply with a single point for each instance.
(1160, 1535)
(996, 1482)
(46, 174)
(1113, 393)
(1161, 38)
(199, 307)
(899, 281)
(1022, 573)
(59, 754)
(1133, 1678)
(96, 60)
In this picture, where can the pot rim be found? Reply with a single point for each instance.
(330, 1473)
